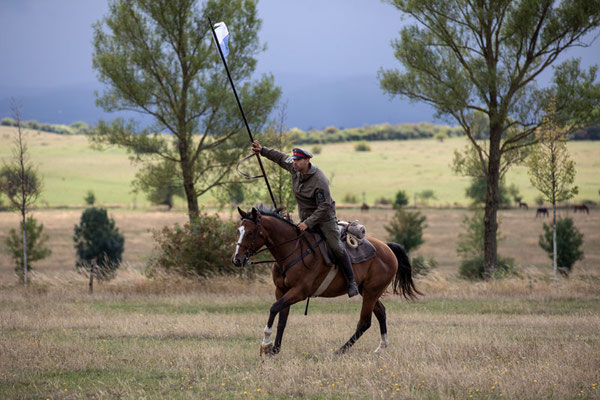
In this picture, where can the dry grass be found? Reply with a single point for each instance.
(57, 342)
(519, 338)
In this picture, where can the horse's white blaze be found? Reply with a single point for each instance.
(383, 344)
(239, 242)
(267, 340)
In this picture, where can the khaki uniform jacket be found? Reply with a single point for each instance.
(315, 204)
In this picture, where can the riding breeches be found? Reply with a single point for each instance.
(332, 237)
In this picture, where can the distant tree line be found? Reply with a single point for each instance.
(76, 128)
(589, 133)
(332, 134)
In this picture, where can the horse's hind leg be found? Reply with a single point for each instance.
(364, 323)
(379, 312)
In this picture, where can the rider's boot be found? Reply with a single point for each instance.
(346, 266)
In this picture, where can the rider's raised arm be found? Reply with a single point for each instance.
(283, 160)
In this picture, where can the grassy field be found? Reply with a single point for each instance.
(517, 338)
(142, 339)
(70, 168)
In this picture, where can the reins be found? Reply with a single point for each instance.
(298, 239)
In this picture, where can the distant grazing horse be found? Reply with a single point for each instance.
(541, 212)
(299, 272)
(364, 207)
(523, 205)
(581, 208)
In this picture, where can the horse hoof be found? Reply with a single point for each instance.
(340, 352)
(266, 349)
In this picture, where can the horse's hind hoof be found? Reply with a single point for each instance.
(266, 349)
(340, 351)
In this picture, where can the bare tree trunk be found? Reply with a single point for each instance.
(554, 247)
(188, 182)
(490, 220)
(24, 249)
(91, 284)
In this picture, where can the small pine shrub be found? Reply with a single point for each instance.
(316, 149)
(36, 250)
(406, 228)
(401, 199)
(98, 239)
(568, 244)
(362, 146)
(90, 198)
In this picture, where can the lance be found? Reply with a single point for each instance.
(264, 174)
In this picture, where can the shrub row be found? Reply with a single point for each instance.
(76, 128)
(373, 133)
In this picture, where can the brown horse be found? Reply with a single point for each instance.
(582, 208)
(299, 271)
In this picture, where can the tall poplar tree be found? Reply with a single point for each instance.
(551, 170)
(467, 57)
(157, 57)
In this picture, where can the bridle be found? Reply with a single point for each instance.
(251, 251)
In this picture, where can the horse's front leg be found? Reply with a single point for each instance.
(281, 322)
(281, 307)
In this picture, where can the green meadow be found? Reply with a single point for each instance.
(70, 167)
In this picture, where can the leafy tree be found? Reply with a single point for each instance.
(477, 191)
(90, 198)
(539, 200)
(98, 243)
(562, 241)
(406, 228)
(401, 199)
(36, 250)
(8, 122)
(184, 250)
(19, 182)
(513, 190)
(362, 146)
(160, 182)
(465, 58)
(426, 195)
(551, 171)
(158, 58)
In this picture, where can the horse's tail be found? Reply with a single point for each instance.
(403, 282)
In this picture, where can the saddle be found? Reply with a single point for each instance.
(353, 237)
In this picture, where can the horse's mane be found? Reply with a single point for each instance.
(274, 212)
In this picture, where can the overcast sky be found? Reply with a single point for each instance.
(48, 44)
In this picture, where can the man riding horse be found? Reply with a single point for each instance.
(315, 205)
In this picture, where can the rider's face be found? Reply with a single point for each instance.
(301, 165)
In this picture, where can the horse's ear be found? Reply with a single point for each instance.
(254, 212)
(242, 213)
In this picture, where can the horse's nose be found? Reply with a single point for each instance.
(236, 262)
